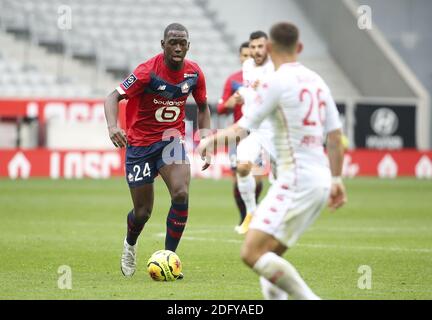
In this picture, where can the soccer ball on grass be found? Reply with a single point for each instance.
(164, 265)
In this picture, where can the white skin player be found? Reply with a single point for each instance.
(302, 112)
(249, 151)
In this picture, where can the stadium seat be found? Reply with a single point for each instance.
(121, 40)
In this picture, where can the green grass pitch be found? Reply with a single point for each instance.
(44, 224)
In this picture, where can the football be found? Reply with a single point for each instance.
(164, 265)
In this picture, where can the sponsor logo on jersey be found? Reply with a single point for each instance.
(169, 103)
(130, 177)
(162, 87)
(191, 75)
(185, 88)
(129, 81)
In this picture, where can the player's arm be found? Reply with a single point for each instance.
(111, 106)
(234, 100)
(204, 124)
(133, 85)
(335, 152)
(203, 118)
(209, 145)
(224, 105)
(250, 121)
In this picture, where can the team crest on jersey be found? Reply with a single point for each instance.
(129, 81)
(185, 88)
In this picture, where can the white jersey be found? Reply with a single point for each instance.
(253, 78)
(299, 106)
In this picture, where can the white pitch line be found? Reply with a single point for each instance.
(229, 228)
(311, 245)
(329, 246)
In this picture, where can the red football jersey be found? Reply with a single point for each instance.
(157, 97)
(232, 84)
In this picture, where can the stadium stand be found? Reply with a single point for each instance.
(17, 79)
(118, 35)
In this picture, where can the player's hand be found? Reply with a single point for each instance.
(238, 98)
(207, 162)
(202, 151)
(338, 195)
(256, 84)
(117, 136)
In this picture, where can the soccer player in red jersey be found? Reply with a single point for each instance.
(157, 91)
(232, 102)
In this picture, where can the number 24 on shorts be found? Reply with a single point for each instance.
(145, 173)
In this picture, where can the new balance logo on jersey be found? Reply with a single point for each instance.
(129, 81)
(191, 75)
(162, 87)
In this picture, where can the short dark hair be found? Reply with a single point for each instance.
(177, 27)
(284, 35)
(257, 34)
(244, 45)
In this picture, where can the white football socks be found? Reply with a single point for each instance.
(247, 186)
(272, 292)
(280, 272)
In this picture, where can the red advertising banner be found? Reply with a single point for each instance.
(69, 110)
(104, 164)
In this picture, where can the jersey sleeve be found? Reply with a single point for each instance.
(332, 121)
(200, 91)
(226, 95)
(268, 100)
(136, 82)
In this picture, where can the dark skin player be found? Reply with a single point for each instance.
(175, 45)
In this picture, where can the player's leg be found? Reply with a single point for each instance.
(270, 291)
(246, 184)
(177, 178)
(248, 151)
(262, 252)
(281, 218)
(140, 171)
(238, 200)
(236, 193)
(142, 198)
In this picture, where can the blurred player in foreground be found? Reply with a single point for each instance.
(301, 110)
(232, 103)
(157, 91)
(250, 150)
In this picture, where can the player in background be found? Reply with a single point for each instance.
(232, 103)
(250, 150)
(157, 91)
(301, 110)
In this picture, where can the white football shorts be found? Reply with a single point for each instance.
(285, 213)
(250, 148)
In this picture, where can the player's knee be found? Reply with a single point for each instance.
(180, 195)
(248, 256)
(244, 168)
(143, 214)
